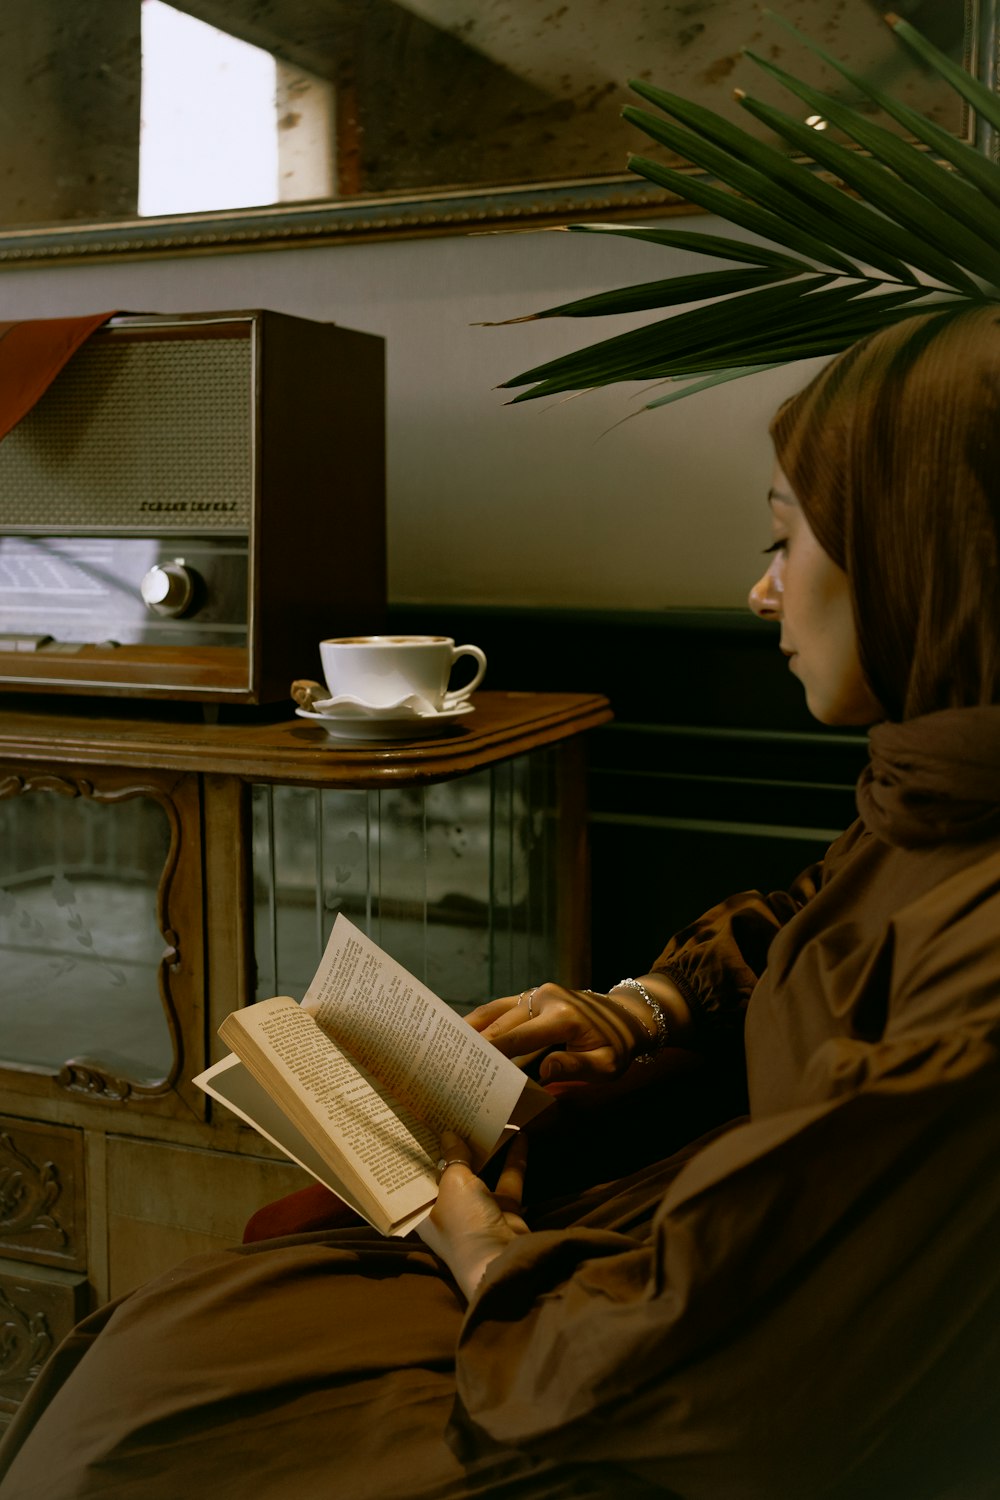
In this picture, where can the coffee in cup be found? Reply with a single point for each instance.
(383, 671)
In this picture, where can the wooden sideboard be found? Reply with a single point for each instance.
(150, 861)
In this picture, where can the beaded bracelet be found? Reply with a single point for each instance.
(662, 1035)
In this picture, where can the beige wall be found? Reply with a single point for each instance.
(539, 504)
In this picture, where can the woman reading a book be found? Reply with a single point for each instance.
(804, 1303)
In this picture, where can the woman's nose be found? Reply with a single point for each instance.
(765, 596)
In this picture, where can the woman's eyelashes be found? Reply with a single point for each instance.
(778, 546)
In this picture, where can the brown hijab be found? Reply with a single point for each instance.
(893, 452)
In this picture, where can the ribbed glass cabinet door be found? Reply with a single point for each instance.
(454, 879)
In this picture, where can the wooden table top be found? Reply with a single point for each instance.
(43, 732)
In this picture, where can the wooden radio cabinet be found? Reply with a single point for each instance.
(157, 872)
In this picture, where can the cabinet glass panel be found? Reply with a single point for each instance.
(80, 948)
(454, 879)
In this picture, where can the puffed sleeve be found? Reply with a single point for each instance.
(815, 1304)
(718, 959)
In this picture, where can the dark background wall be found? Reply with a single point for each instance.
(713, 776)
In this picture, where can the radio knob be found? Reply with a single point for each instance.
(168, 588)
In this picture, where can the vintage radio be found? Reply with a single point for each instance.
(194, 502)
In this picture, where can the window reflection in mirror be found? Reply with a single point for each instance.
(357, 99)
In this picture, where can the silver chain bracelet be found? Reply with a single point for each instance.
(662, 1036)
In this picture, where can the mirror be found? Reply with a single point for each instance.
(143, 125)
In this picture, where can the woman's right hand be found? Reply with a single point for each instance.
(598, 1036)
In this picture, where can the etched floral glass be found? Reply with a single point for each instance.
(79, 943)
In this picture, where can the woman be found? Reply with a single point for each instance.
(804, 1304)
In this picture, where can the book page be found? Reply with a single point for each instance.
(233, 1085)
(423, 1052)
(381, 1149)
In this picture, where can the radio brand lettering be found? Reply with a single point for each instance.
(191, 507)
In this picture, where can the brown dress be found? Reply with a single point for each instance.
(805, 1305)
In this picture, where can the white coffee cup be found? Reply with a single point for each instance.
(383, 671)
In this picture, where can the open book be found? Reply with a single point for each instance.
(357, 1083)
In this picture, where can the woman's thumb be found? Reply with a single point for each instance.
(563, 1065)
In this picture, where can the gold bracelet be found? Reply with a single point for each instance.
(661, 1037)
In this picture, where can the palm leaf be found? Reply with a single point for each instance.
(972, 91)
(969, 163)
(945, 190)
(904, 203)
(701, 244)
(735, 372)
(686, 333)
(754, 331)
(810, 329)
(851, 226)
(648, 294)
(742, 211)
(926, 227)
(835, 266)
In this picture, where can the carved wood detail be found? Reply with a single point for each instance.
(28, 1193)
(25, 1342)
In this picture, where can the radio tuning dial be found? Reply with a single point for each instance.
(168, 588)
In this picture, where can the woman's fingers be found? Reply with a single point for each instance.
(454, 1152)
(543, 1012)
(595, 1066)
(485, 1015)
(510, 1183)
(469, 1226)
(515, 1034)
(597, 1038)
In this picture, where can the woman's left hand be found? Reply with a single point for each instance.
(469, 1226)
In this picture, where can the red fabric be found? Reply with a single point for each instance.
(31, 355)
(312, 1207)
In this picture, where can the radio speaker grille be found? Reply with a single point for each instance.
(246, 447)
(136, 434)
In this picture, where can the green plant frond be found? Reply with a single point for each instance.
(956, 197)
(684, 333)
(775, 356)
(968, 214)
(908, 206)
(700, 244)
(669, 293)
(736, 372)
(769, 178)
(972, 91)
(869, 230)
(969, 163)
(737, 210)
(876, 184)
(908, 235)
(796, 197)
(827, 329)
(741, 330)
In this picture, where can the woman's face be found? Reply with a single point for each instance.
(805, 591)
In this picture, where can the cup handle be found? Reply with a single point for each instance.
(452, 700)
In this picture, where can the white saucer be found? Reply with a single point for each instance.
(347, 705)
(411, 726)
